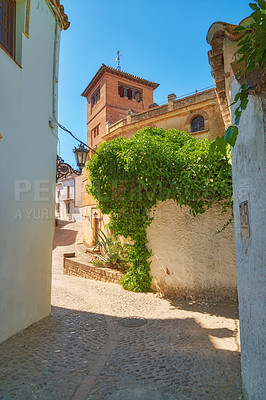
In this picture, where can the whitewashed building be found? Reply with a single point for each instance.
(69, 199)
(249, 191)
(29, 52)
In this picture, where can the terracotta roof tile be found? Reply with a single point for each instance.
(104, 68)
(60, 14)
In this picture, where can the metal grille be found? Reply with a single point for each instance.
(197, 124)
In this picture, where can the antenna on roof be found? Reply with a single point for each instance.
(118, 60)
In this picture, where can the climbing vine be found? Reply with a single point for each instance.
(252, 52)
(129, 176)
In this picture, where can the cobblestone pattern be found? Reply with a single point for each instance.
(168, 360)
(48, 360)
(89, 271)
(185, 351)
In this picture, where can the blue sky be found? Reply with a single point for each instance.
(162, 41)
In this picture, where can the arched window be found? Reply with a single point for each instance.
(197, 124)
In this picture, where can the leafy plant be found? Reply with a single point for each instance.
(129, 176)
(115, 254)
(252, 51)
(98, 262)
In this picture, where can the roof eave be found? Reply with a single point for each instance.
(105, 69)
(59, 13)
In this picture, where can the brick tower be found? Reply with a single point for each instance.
(110, 94)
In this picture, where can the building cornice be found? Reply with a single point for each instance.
(59, 12)
(147, 118)
(218, 32)
(105, 69)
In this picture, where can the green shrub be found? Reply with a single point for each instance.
(129, 176)
(115, 254)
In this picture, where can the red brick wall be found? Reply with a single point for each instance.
(99, 119)
(111, 107)
(96, 114)
(117, 106)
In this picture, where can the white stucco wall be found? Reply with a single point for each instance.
(249, 184)
(189, 259)
(27, 154)
(64, 196)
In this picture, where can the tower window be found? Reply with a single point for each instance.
(8, 25)
(129, 92)
(95, 132)
(197, 124)
(95, 97)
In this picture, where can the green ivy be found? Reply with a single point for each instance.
(129, 176)
(252, 52)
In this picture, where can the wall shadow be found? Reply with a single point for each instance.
(219, 308)
(174, 358)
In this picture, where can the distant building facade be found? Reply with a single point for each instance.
(198, 114)
(68, 200)
(182, 264)
(119, 104)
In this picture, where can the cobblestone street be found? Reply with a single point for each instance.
(104, 343)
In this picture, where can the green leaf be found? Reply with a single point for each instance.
(230, 135)
(239, 28)
(238, 75)
(257, 17)
(262, 4)
(237, 115)
(218, 144)
(254, 6)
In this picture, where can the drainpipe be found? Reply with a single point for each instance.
(53, 119)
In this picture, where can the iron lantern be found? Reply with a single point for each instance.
(81, 156)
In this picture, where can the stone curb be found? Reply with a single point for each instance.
(90, 271)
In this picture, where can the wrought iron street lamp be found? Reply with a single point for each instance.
(64, 169)
(81, 156)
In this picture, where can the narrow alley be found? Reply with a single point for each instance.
(104, 343)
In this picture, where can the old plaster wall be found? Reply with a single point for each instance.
(249, 184)
(189, 259)
(28, 168)
(89, 213)
(177, 114)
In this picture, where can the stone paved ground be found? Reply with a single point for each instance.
(89, 349)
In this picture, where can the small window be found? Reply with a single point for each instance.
(68, 208)
(121, 91)
(8, 25)
(197, 124)
(95, 97)
(95, 131)
(129, 93)
(68, 192)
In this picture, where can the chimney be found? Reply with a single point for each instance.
(171, 97)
